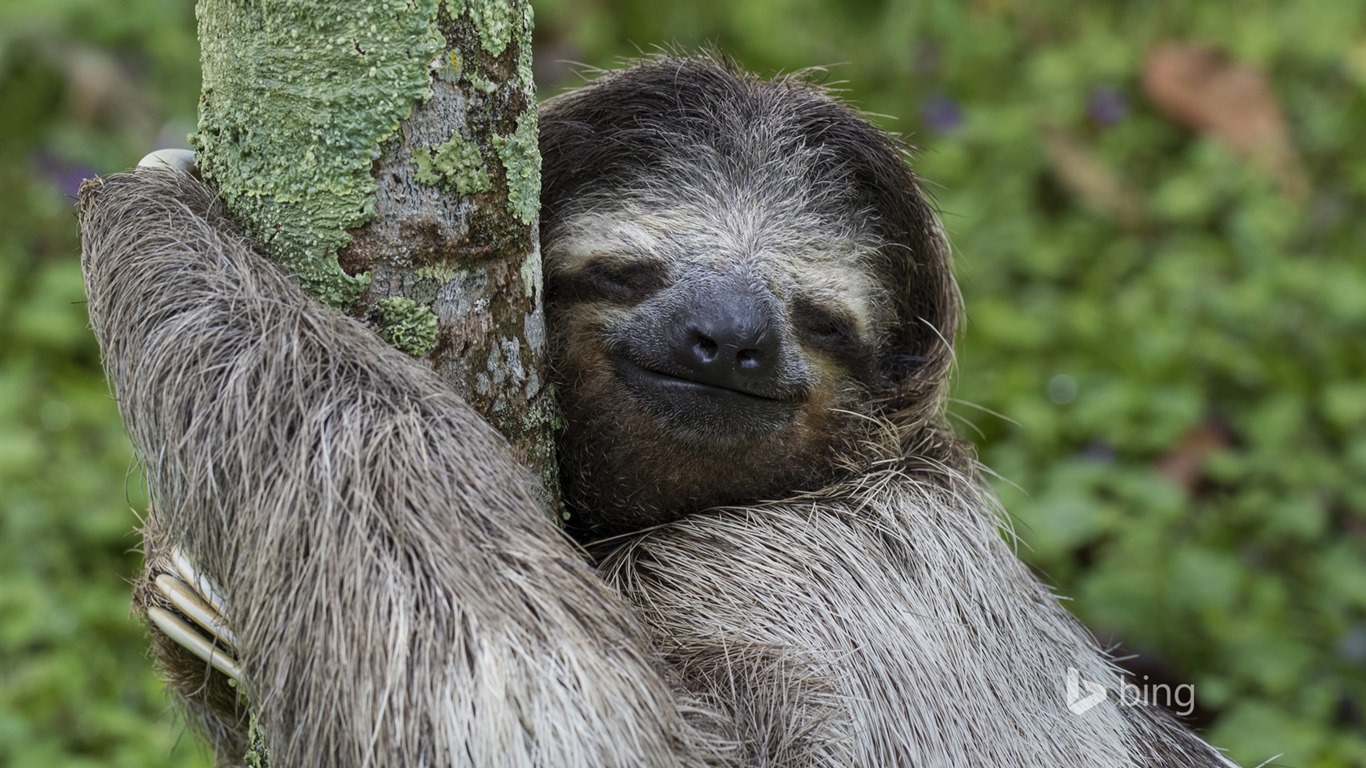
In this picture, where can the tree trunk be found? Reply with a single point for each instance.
(385, 153)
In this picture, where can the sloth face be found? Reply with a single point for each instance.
(738, 273)
(708, 351)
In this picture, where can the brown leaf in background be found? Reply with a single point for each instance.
(1200, 88)
(1086, 176)
(1184, 463)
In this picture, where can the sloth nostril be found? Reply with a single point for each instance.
(706, 347)
(748, 358)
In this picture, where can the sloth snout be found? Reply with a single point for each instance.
(724, 339)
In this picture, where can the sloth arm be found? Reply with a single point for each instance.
(397, 595)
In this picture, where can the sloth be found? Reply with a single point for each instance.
(794, 561)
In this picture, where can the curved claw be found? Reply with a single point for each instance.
(176, 159)
(194, 642)
(190, 603)
(202, 584)
(195, 597)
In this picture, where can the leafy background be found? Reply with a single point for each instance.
(1164, 359)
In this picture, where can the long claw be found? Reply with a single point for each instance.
(189, 602)
(203, 584)
(176, 159)
(198, 599)
(194, 642)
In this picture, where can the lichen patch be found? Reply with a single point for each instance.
(298, 97)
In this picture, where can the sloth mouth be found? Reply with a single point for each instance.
(660, 378)
(696, 411)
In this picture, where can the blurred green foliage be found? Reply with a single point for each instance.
(1182, 384)
(86, 87)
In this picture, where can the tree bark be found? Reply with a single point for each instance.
(385, 153)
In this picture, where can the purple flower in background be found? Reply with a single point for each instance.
(1107, 105)
(65, 175)
(1099, 451)
(941, 114)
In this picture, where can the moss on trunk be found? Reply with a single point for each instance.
(387, 150)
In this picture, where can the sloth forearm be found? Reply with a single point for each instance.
(390, 605)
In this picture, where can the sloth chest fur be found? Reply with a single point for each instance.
(949, 654)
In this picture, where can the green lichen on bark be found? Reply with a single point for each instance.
(408, 326)
(494, 19)
(258, 754)
(298, 97)
(455, 164)
(525, 75)
(522, 159)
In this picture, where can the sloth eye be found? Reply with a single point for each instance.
(824, 327)
(833, 332)
(620, 280)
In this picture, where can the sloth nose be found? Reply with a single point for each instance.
(725, 340)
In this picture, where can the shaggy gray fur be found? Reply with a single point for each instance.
(398, 598)
(883, 621)
(880, 618)
(397, 594)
